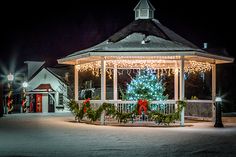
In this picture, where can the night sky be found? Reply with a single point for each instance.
(48, 31)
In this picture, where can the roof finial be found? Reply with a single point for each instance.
(144, 10)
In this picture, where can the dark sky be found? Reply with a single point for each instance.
(48, 31)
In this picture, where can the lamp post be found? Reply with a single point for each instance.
(1, 101)
(23, 105)
(10, 79)
(218, 104)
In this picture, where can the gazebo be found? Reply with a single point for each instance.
(145, 43)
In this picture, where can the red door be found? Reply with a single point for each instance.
(38, 102)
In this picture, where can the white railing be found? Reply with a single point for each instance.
(166, 107)
(199, 109)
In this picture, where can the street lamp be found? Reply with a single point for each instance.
(24, 84)
(10, 79)
(218, 104)
(24, 108)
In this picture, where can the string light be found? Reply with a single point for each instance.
(194, 67)
(161, 66)
(109, 73)
(146, 86)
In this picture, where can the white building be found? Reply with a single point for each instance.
(47, 89)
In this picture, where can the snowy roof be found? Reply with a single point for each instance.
(140, 36)
(61, 71)
(144, 37)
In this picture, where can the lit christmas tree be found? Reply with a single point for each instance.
(146, 86)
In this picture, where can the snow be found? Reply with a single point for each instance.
(133, 42)
(58, 135)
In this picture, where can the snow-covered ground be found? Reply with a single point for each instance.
(57, 135)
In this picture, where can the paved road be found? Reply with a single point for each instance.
(34, 135)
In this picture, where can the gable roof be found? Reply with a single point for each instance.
(33, 67)
(60, 72)
(57, 71)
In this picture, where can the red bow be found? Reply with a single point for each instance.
(86, 104)
(142, 106)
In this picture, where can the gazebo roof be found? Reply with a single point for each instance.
(150, 27)
(144, 37)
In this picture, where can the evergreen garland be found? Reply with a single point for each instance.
(94, 115)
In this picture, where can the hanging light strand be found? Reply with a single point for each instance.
(161, 66)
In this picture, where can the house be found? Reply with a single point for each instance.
(48, 87)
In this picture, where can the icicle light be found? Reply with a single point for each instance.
(161, 66)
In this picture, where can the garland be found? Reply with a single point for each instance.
(142, 106)
(166, 119)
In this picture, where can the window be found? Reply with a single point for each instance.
(60, 103)
(144, 13)
(151, 14)
(136, 13)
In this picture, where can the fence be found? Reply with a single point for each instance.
(165, 107)
(199, 109)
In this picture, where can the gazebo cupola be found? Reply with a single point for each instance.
(144, 10)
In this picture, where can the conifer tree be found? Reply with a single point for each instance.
(146, 86)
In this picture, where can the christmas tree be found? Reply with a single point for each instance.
(146, 86)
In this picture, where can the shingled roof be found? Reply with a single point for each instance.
(145, 36)
(150, 27)
(156, 38)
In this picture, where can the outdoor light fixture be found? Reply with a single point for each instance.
(218, 122)
(218, 99)
(25, 84)
(10, 77)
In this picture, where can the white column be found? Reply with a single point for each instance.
(45, 103)
(103, 80)
(76, 83)
(176, 85)
(213, 90)
(103, 88)
(115, 82)
(182, 86)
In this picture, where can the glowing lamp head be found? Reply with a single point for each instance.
(25, 84)
(218, 99)
(10, 77)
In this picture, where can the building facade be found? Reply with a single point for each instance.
(47, 89)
